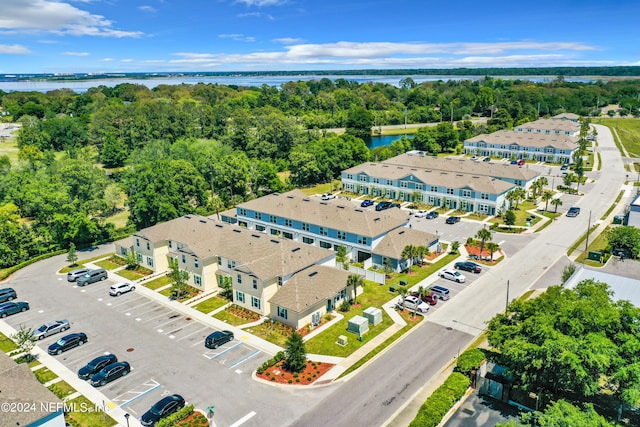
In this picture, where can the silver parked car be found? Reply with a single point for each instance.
(50, 328)
(72, 276)
(120, 288)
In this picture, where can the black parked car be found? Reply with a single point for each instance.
(218, 338)
(7, 294)
(431, 215)
(67, 343)
(96, 365)
(8, 308)
(468, 266)
(452, 219)
(383, 205)
(110, 373)
(163, 408)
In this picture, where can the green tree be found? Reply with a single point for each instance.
(492, 247)
(455, 246)
(25, 341)
(561, 414)
(483, 235)
(359, 123)
(388, 266)
(72, 256)
(409, 253)
(546, 196)
(403, 292)
(354, 281)
(421, 252)
(626, 238)
(567, 272)
(295, 359)
(341, 256)
(226, 284)
(509, 217)
(132, 260)
(556, 202)
(179, 278)
(578, 169)
(114, 152)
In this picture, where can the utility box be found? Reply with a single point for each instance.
(403, 283)
(595, 256)
(342, 340)
(358, 325)
(373, 315)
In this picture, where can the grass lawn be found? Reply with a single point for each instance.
(267, 333)
(9, 148)
(478, 216)
(136, 274)
(598, 244)
(90, 417)
(232, 319)
(119, 219)
(581, 239)
(108, 264)
(158, 283)
(166, 292)
(613, 206)
(6, 345)
(418, 274)
(321, 188)
(80, 263)
(521, 214)
(44, 375)
(62, 389)
(210, 304)
(629, 132)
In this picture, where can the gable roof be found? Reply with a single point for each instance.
(309, 287)
(566, 116)
(335, 214)
(392, 245)
(527, 139)
(480, 183)
(462, 165)
(551, 124)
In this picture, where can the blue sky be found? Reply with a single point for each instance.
(58, 36)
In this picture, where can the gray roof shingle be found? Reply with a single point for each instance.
(527, 139)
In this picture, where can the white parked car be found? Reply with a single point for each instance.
(420, 214)
(120, 288)
(413, 304)
(328, 196)
(454, 275)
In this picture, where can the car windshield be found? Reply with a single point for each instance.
(42, 328)
(61, 341)
(456, 274)
(157, 408)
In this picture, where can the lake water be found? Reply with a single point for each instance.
(381, 141)
(80, 86)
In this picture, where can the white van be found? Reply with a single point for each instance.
(441, 292)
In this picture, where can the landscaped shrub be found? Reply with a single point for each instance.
(174, 418)
(470, 360)
(438, 404)
(11, 270)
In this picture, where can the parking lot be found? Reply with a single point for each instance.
(165, 350)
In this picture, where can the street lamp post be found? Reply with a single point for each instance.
(126, 417)
(507, 304)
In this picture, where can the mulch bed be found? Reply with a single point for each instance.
(475, 251)
(278, 375)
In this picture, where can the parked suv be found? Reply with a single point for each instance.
(441, 292)
(92, 276)
(573, 211)
(120, 288)
(72, 276)
(218, 338)
(7, 294)
(429, 298)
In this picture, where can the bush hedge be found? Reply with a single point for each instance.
(8, 271)
(266, 365)
(440, 402)
(470, 360)
(177, 417)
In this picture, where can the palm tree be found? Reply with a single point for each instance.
(403, 292)
(546, 196)
(353, 281)
(556, 202)
(492, 247)
(455, 245)
(483, 235)
(539, 185)
(421, 252)
(409, 253)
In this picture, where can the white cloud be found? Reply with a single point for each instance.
(260, 3)
(255, 15)
(287, 40)
(237, 37)
(147, 8)
(127, 60)
(108, 59)
(34, 16)
(13, 49)
(76, 53)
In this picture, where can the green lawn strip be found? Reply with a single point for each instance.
(526, 295)
(613, 206)
(133, 274)
(628, 131)
(321, 188)
(119, 219)
(399, 131)
(210, 304)
(580, 240)
(521, 214)
(44, 375)
(231, 319)
(61, 389)
(265, 332)
(419, 273)
(6, 344)
(158, 283)
(543, 226)
(600, 243)
(441, 400)
(381, 347)
(80, 263)
(85, 414)
(166, 292)
(599, 161)
(107, 265)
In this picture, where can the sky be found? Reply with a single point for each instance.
(96, 36)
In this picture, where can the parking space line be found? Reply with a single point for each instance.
(171, 320)
(124, 302)
(152, 384)
(243, 419)
(70, 362)
(223, 352)
(135, 307)
(188, 335)
(132, 372)
(164, 313)
(244, 359)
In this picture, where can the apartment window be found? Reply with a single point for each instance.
(255, 302)
(239, 278)
(279, 281)
(148, 246)
(363, 240)
(375, 180)
(288, 223)
(219, 260)
(305, 226)
(184, 259)
(342, 235)
(466, 193)
(170, 244)
(549, 150)
(363, 178)
(349, 176)
(325, 245)
(123, 251)
(275, 232)
(518, 182)
(258, 215)
(324, 231)
(260, 227)
(255, 284)
(242, 211)
(514, 147)
(197, 280)
(282, 313)
(240, 296)
(273, 219)
(195, 262)
(434, 188)
(404, 184)
(139, 256)
(484, 196)
(307, 240)
(449, 190)
(418, 186)
(150, 261)
(138, 242)
(287, 235)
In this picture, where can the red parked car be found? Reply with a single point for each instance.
(429, 298)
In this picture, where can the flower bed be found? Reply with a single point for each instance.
(311, 373)
(243, 313)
